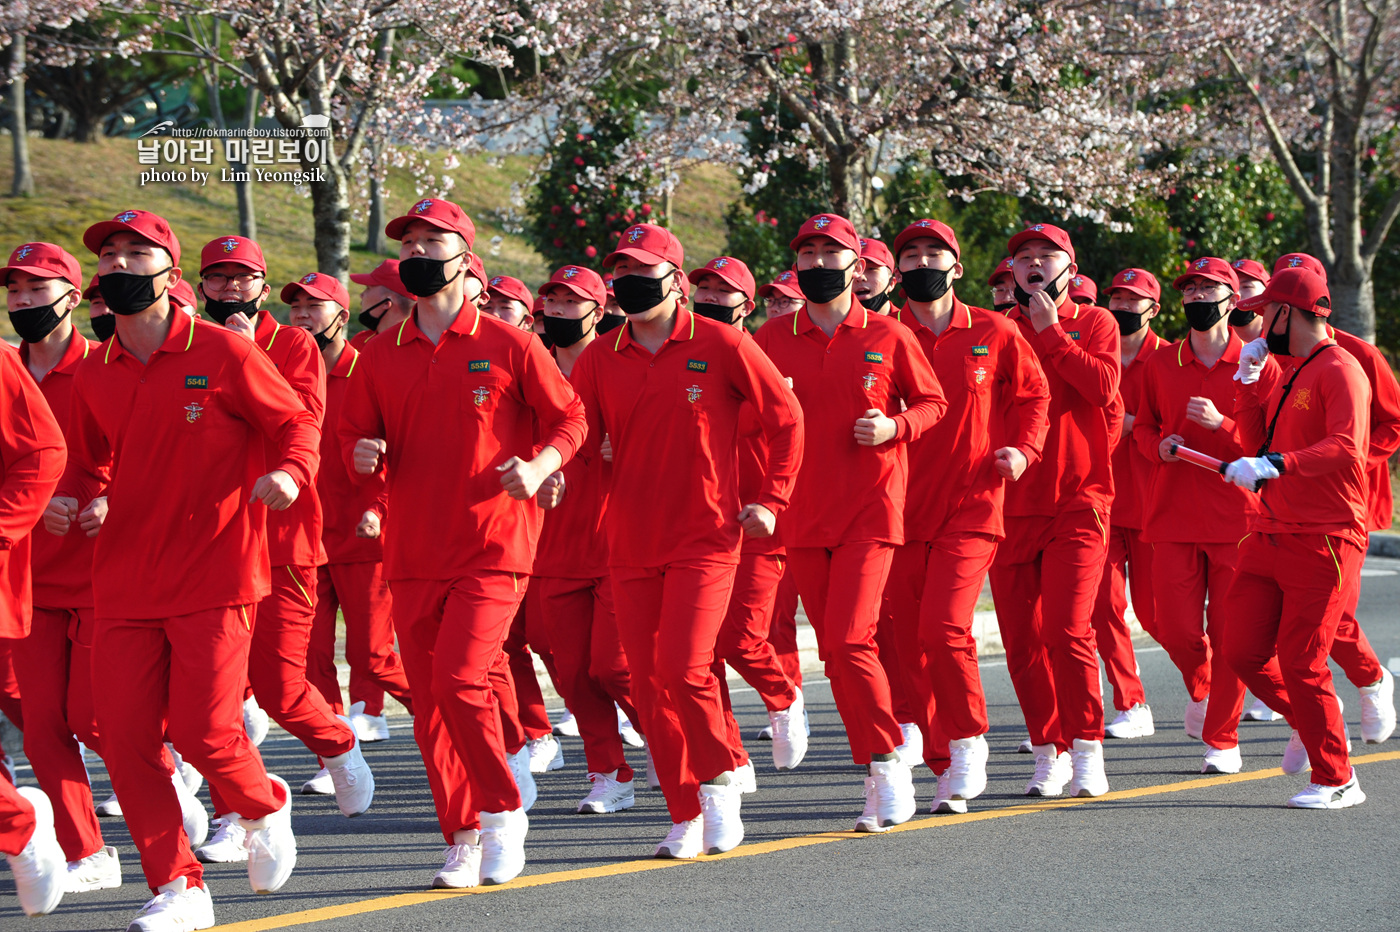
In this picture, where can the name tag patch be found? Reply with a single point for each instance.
(1073, 334)
(479, 365)
(874, 357)
(697, 365)
(980, 351)
(196, 381)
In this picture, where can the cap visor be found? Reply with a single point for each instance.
(395, 228)
(289, 291)
(634, 252)
(37, 272)
(1133, 290)
(1255, 304)
(236, 260)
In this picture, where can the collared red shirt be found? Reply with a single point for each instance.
(1385, 427)
(183, 435)
(847, 492)
(997, 396)
(343, 499)
(1130, 468)
(673, 418)
(574, 543)
(450, 413)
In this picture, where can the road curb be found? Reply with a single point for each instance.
(1384, 544)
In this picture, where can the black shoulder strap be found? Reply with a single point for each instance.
(1287, 388)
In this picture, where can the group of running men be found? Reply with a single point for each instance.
(616, 473)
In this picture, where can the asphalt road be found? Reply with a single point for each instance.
(1166, 850)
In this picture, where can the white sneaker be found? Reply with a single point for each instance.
(1195, 719)
(608, 794)
(272, 848)
(368, 728)
(653, 781)
(1089, 779)
(1378, 709)
(869, 820)
(1316, 796)
(229, 844)
(175, 911)
(745, 778)
(684, 842)
(353, 780)
(630, 736)
(40, 871)
(1261, 713)
(1052, 771)
(788, 735)
(1025, 747)
(109, 807)
(567, 726)
(319, 785)
(519, 764)
(894, 792)
(967, 771)
(1295, 756)
(193, 778)
(99, 871)
(721, 827)
(766, 733)
(1132, 723)
(255, 721)
(1222, 760)
(943, 801)
(191, 812)
(461, 867)
(503, 845)
(806, 722)
(912, 750)
(546, 754)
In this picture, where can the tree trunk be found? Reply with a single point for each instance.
(330, 209)
(1353, 303)
(23, 185)
(247, 216)
(376, 242)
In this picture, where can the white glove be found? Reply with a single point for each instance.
(1252, 357)
(1248, 471)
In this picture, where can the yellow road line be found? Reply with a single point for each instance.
(421, 897)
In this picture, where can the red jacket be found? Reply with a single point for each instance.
(1385, 427)
(1081, 361)
(343, 499)
(62, 566)
(847, 492)
(184, 438)
(451, 413)
(753, 467)
(1130, 468)
(1322, 432)
(574, 543)
(673, 418)
(988, 371)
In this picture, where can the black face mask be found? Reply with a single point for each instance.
(126, 293)
(367, 318)
(1240, 318)
(34, 323)
(323, 341)
(103, 327)
(637, 294)
(565, 331)
(1051, 289)
(546, 339)
(875, 302)
(1004, 307)
(925, 285)
(1128, 322)
(1278, 343)
(1202, 315)
(718, 312)
(610, 322)
(425, 277)
(221, 311)
(822, 286)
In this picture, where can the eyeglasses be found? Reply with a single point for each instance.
(242, 281)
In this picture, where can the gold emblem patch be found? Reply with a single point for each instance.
(692, 393)
(193, 412)
(1304, 400)
(480, 395)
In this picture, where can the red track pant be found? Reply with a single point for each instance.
(54, 667)
(904, 698)
(1129, 561)
(593, 674)
(527, 633)
(17, 821)
(841, 588)
(1287, 600)
(361, 593)
(9, 685)
(184, 677)
(1193, 629)
(782, 634)
(1044, 581)
(669, 619)
(743, 638)
(451, 632)
(1352, 649)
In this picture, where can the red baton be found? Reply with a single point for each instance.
(1188, 455)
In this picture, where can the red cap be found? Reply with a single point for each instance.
(143, 223)
(1082, 290)
(830, 225)
(1248, 268)
(319, 285)
(444, 215)
(785, 284)
(92, 290)
(583, 282)
(1301, 260)
(477, 269)
(1003, 269)
(182, 295)
(44, 260)
(1139, 282)
(386, 275)
(649, 243)
(731, 270)
(1211, 269)
(1046, 231)
(1299, 287)
(537, 306)
(872, 250)
(934, 229)
(503, 286)
(236, 249)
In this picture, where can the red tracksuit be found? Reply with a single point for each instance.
(527, 639)
(180, 563)
(1129, 561)
(353, 577)
(782, 634)
(1195, 524)
(462, 549)
(848, 503)
(997, 396)
(17, 821)
(53, 665)
(1047, 570)
(673, 537)
(1300, 566)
